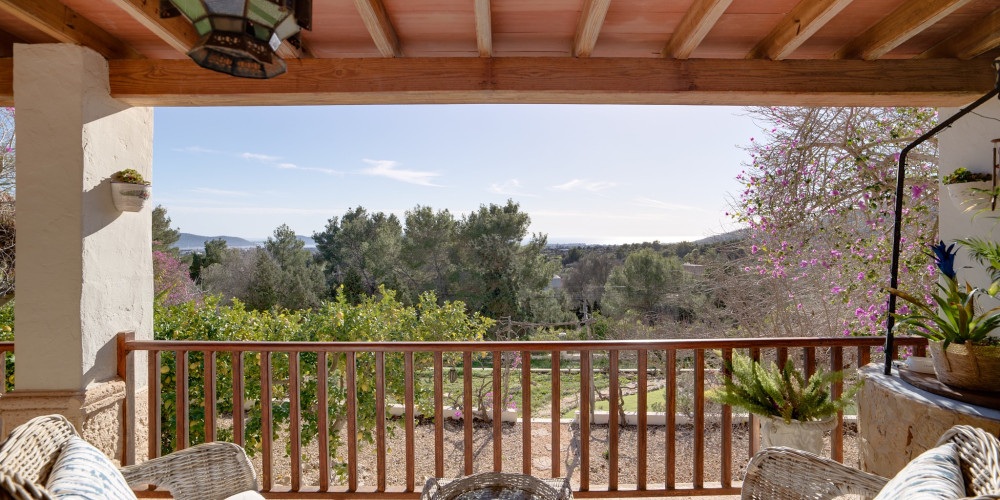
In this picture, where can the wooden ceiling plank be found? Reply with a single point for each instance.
(591, 20)
(377, 21)
(557, 80)
(694, 26)
(903, 23)
(802, 22)
(177, 31)
(484, 27)
(67, 26)
(976, 39)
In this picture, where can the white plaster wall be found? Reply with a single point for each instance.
(84, 269)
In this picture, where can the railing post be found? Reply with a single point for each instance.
(126, 371)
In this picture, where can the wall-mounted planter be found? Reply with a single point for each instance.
(966, 199)
(130, 197)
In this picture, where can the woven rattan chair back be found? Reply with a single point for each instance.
(32, 449)
(979, 454)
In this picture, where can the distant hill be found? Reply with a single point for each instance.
(190, 241)
(738, 234)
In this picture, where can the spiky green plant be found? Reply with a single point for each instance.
(782, 393)
(986, 252)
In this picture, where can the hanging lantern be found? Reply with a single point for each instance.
(240, 37)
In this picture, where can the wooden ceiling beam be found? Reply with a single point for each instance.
(177, 31)
(900, 25)
(377, 21)
(802, 22)
(591, 19)
(567, 80)
(484, 27)
(976, 39)
(66, 25)
(694, 26)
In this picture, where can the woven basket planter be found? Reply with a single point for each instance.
(967, 200)
(130, 197)
(967, 366)
(805, 436)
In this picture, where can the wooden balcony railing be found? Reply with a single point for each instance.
(673, 358)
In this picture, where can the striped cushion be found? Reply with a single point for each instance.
(934, 475)
(82, 472)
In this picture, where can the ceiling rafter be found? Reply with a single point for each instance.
(802, 22)
(484, 27)
(974, 40)
(379, 26)
(900, 25)
(694, 26)
(67, 26)
(591, 19)
(175, 31)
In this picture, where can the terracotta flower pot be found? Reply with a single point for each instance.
(967, 366)
(805, 436)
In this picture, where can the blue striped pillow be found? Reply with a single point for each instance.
(82, 472)
(935, 474)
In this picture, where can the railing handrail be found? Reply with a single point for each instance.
(540, 346)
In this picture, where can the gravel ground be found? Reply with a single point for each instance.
(541, 454)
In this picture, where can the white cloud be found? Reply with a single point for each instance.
(292, 166)
(585, 185)
(512, 187)
(387, 168)
(260, 157)
(662, 205)
(219, 192)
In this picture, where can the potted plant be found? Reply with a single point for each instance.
(969, 190)
(129, 190)
(794, 411)
(963, 353)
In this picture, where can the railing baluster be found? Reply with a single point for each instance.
(643, 385)
(727, 427)
(584, 420)
(526, 412)
(323, 420)
(864, 355)
(837, 436)
(210, 398)
(154, 403)
(438, 414)
(920, 350)
(380, 447)
(294, 416)
(352, 421)
(3, 372)
(809, 360)
(126, 370)
(498, 407)
(238, 425)
(408, 404)
(266, 424)
(613, 420)
(752, 419)
(556, 413)
(782, 356)
(670, 394)
(183, 418)
(699, 418)
(467, 409)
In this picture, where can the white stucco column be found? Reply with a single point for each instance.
(84, 269)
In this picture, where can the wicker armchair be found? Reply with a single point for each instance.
(206, 471)
(784, 473)
(494, 485)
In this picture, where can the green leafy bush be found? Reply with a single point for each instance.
(962, 175)
(374, 319)
(783, 393)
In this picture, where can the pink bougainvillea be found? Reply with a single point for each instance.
(818, 201)
(171, 282)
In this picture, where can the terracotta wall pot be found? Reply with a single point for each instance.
(130, 197)
(805, 436)
(967, 366)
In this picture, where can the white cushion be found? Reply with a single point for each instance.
(936, 474)
(246, 495)
(82, 472)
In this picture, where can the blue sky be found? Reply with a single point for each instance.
(591, 174)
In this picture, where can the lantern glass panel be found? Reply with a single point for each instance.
(193, 9)
(266, 13)
(287, 28)
(229, 7)
(230, 24)
(261, 32)
(203, 26)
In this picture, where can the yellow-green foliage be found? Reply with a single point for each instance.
(374, 319)
(780, 392)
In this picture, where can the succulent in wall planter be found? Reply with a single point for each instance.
(970, 190)
(794, 411)
(129, 191)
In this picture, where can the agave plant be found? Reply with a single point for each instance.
(782, 393)
(956, 319)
